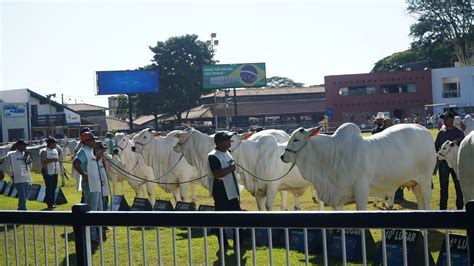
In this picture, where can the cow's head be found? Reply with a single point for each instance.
(182, 137)
(143, 138)
(122, 142)
(448, 152)
(298, 140)
(236, 139)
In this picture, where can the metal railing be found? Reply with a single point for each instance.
(81, 220)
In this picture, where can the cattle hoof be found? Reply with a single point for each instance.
(315, 200)
(63, 184)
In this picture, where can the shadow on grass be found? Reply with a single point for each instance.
(71, 258)
(8, 226)
(230, 257)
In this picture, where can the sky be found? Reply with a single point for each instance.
(55, 46)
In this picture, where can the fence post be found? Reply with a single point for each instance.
(82, 257)
(470, 230)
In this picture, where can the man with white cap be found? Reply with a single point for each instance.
(378, 123)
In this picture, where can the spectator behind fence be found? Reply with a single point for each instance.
(50, 170)
(18, 163)
(452, 133)
(86, 165)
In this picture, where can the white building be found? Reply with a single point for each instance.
(29, 115)
(453, 88)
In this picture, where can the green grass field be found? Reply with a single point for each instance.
(247, 203)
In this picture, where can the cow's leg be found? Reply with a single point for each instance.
(193, 192)
(297, 203)
(362, 197)
(284, 201)
(260, 201)
(271, 195)
(176, 193)
(375, 201)
(183, 190)
(314, 195)
(63, 178)
(151, 193)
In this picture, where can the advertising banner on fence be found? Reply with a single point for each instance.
(234, 76)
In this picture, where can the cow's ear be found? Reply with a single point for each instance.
(246, 136)
(315, 131)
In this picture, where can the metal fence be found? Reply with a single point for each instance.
(246, 224)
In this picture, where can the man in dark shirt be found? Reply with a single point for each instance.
(452, 133)
(223, 183)
(378, 123)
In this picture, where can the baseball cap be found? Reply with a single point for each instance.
(21, 141)
(447, 114)
(50, 140)
(222, 136)
(87, 136)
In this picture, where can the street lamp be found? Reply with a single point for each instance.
(213, 42)
(49, 100)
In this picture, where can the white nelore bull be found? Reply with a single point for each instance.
(172, 173)
(466, 124)
(346, 166)
(195, 147)
(137, 172)
(461, 159)
(259, 155)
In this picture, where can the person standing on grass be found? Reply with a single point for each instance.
(50, 170)
(19, 164)
(86, 165)
(100, 149)
(452, 133)
(223, 186)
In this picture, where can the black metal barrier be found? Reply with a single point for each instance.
(80, 217)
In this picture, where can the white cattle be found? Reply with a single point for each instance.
(113, 164)
(466, 124)
(346, 166)
(195, 147)
(173, 174)
(461, 159)
(136, 171)
(259, 155)
(68, 146)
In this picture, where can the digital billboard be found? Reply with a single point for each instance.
(234, 76)
(127, 82)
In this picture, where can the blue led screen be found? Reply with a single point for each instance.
(127, 82)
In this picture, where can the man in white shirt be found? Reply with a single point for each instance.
(50, 170)
(19, 164)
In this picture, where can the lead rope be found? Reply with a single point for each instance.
(138, 178)
(267, 180)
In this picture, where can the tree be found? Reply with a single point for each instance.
(179, 61)
(439, 21)
(438, 55)
(281, 82)
(121, 111)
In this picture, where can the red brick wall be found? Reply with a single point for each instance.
(361, 106)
